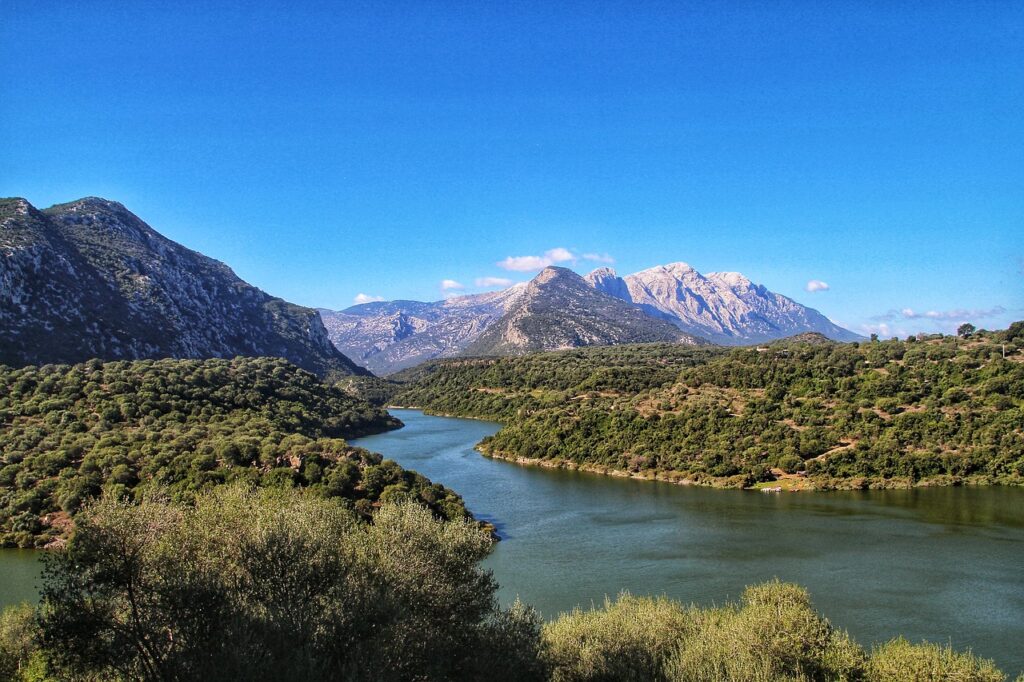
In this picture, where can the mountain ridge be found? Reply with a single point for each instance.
(560, 310)
(89, 278)
(724, 307)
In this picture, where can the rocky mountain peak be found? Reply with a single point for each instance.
(17, 205)
(562, 310)
(679, 268)
(606, 281)
(90, 279)
(724, 307)
(603, 272)
(92, 204)
(731, 279)
(554, 273)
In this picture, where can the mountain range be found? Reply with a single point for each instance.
(560, 309)
(89, 279)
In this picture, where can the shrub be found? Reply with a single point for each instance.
(774, 634)
(900, 661)
(277, 584)
(629, 639)
(20, 655)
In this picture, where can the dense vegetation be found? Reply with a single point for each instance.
(68, 433)
(284, 585)
(939, 409)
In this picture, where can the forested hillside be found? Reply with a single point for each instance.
(69, 433)
(880, 413)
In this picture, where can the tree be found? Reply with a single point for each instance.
(276, 584)
(965, 330)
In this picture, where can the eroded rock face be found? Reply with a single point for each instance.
(391, 335)
(90, 279)
(559, 310)
(723, 307)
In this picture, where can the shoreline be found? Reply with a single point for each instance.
(737, 482)
(441, 414)
(733, 483)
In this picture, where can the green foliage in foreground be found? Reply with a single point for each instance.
(70, 433)
(277, 585)
(280, 584)
(891, 413)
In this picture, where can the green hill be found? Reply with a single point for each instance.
(813, 412)
(69, 433)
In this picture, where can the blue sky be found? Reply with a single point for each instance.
(330, 150)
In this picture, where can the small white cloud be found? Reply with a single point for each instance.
(528, 263)
(882, 329)
(599, 258)
(449, 284)
(559, 255)
(816, 285)
(957, 314)
(523, 263)
(366, 298)
(484, 282)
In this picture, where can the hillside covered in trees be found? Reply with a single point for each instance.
(937, 410)
(70, 433)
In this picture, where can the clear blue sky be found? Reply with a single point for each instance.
(328, 150)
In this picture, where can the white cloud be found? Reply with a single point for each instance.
(483, 282)
(888, 331)
(956, 315)
(559, 254)
(449, 284)
(599, 258)
(366, 298)
(528, 263)
(882, 329)
(816, 285)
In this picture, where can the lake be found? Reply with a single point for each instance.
(943, 564)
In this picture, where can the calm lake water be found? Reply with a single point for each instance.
(943, 564)
(20, 570)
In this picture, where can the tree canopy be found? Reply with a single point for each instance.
(888, 413)
(69, 433)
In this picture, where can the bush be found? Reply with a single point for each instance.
(629, 639)
(276, 584)
(20, 655)
(774, 634)
(901, 661)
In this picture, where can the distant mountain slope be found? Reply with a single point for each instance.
(723, 307)
(392, 335)
(90, 279)
(558, 310)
